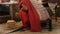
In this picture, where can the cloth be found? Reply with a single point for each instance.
(40, 9)
(48, 8)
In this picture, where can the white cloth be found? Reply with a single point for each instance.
(42, 12)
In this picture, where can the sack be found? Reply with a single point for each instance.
(11, 24)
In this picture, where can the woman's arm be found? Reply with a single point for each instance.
(23, 7)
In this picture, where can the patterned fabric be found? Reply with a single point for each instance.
(40, 9)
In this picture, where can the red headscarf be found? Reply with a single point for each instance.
(31, 17)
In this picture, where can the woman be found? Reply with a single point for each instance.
(29, 16)
(33, 14)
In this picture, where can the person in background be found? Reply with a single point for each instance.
(57, 10)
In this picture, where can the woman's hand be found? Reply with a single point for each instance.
(17, 14)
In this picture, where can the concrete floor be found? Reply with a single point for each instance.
(55, 30)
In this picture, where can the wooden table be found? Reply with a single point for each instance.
(11, 7)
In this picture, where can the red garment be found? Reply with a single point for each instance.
(25, 19)
(45, 0)
(31, 17)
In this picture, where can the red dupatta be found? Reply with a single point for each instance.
(31, 17)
